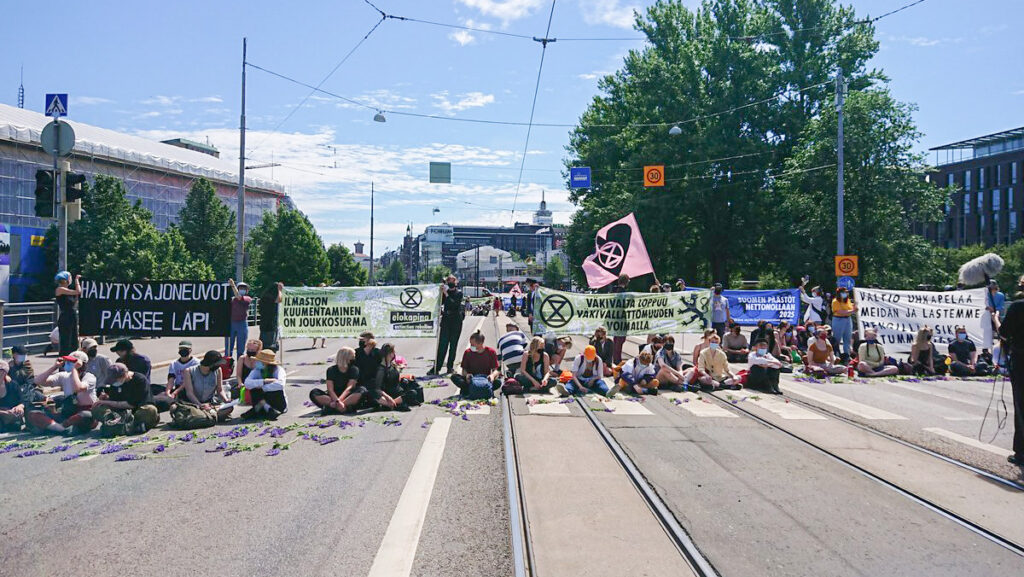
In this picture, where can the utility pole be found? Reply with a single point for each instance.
(478, 266)
(62, 210)
(501, 272)
(372, 281)
(840, 224)
(240, 212)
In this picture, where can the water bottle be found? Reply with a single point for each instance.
(851, 369)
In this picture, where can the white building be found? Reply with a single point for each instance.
(487, 261)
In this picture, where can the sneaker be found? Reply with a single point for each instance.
(562, 391)
(638, 389)
(250, 414)
(1016, 460)
(403, 408)
(68, 432)
(732, 387)
(614, 390)
(272, 414)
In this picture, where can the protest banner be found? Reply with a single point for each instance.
(387, 312)
(157, 308)
(749, 307)
(898, 315)
(622, 314)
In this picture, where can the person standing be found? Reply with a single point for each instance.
(529, 301)
(617, 342)
(720, 316)
(239, 319)
(452, 315)
(815, 303)
(1011, 331)
(268, 306)
(66, 296)
(843, 309)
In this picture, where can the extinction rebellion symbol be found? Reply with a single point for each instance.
(411, 297)
(556, 311)
(610, 255)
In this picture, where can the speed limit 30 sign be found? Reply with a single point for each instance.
(847, 266)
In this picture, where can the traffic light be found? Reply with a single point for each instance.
(44, 194)
(73, 186)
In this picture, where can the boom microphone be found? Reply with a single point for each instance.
(978, 271)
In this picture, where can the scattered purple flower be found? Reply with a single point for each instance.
(273, 452)
(59, 449)
(70, 457)
(327, 440)
(29, 453)
(129, 457)
(159, 448)
(112, 449)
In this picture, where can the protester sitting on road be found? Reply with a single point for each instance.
(390, 390)
(478, 361)
(654, 344)
(176, 377)
(713, 367)
(240, 304)
(136, 363)
(603, 345)
(720, 314)
(1000, 360)
(669, 363)
(69, 413)
(702, 345)
(534, 368)
(964, 356)
(765, 331)
(66, 297)
(98, 363)
(764, 370)
(265, 384)
(587, 375)
(127, 391)
(511, 346)
(786, 341)
(638, 375)
(344, 392)
(871, 357)
(735, 345)
(18, 390)
(803, 334)
(843, 309)
(556, 347)
(368, 359)
(247, 362)
(202, 386)
(922, 353)
(821, 358)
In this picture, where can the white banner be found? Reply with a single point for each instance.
(897, 316)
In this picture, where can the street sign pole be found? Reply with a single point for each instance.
(59, 208)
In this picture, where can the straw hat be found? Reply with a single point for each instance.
(267, 357)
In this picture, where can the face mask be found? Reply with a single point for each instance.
(474, 348)
(872, 341)
(362, 343)
(761, 352)
(842, 295)
(250, 353)
(184, 352)
(19, 359)
(91, 353)
(69, 366)
(243, 292)
(669, 346)
(718, 291)
(961, 336)
(451, 285)
(713, 346)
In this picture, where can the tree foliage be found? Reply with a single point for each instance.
(343, 266)
(286, 248)
(554, 273)
(208, 227)
(395, 273)
(434, 274)
(750, 84)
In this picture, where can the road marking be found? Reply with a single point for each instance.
(963, 418)
(859, 409)
(398, 548)
(480, 324)
(87, 457)
(546, 405)
(619, 406)
(969, 441)
(789, 411)
(936, 393)
(698, 406)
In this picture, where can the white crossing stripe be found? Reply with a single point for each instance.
(969, 441)
(619, 406)
(398, 548)
(546, 405)
(87, 457)
(475, 409)
(780, 407)
(698, 406)
(859, 409)
(935, 392)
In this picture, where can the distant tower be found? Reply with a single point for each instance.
(543, 216)
(21, 89)
(359, 248)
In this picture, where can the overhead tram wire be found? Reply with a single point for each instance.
(533, 107)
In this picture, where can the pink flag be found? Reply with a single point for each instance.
(618, 249)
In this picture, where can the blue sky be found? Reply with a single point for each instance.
(172, 69)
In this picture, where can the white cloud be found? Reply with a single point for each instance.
(463, 37)
(609, 12)
(922, 41)
(90, 100)
(504, 10)
(211, 99)
(463, 102)
(1018, 93)
(161, 100)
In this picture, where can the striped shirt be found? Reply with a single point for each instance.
(511, 346)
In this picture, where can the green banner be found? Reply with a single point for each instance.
(623, 314)
(387, 312)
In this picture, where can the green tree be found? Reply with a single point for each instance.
(293, 253)
(434, 274)
(742, 56)
(344, 268)
(208, 228)
(395, 273)
(554, 273)
(258, 239)
(884, 196)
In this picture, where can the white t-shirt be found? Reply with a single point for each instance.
(178, 369)
(63, 380)
(814, 305)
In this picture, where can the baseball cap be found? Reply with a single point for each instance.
(123, 345)
(88, 344)
(185, 344)
(116, 371)
(76, 357)
(19, 350)
(589, 352)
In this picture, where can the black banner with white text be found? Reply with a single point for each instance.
(161, 308)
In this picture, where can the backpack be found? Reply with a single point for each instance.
(185, 416)
(511, 387)
(117, 423)
(478, 387)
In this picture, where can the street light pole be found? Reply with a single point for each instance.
(372, 281)
(240, 212)
(840, 224)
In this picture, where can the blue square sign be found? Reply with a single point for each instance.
(56, 105)
(579, 177)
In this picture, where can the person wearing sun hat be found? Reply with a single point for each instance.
(587, 375)
(266, 385)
